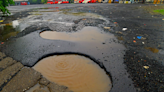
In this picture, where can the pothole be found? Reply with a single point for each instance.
(87, 34)
(78, 73)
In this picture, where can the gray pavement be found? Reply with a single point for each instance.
(122, 54)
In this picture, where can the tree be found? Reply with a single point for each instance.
(44, 1)
(3, 6)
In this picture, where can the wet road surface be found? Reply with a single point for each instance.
(119, 51)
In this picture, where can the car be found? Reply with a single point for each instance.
(50, 2)
(23, 3)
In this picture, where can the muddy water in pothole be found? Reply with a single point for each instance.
(8, 30)
(87, 34)
(78, 73)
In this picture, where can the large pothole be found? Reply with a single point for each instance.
(78, 73)
(87, 34)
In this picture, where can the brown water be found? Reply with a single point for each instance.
(78, 73)
(87, 34)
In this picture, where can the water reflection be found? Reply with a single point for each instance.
(78, 73)
(9, 30)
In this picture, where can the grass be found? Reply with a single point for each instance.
(152, 9)
(161, 11)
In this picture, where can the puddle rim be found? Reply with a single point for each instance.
(100, 64)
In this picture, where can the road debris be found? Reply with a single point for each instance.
(2, 42)
(1, 20)
(139, 37)
(134, 41)
(143, 38)
(124, 29)
(106, 27)
(146, 67)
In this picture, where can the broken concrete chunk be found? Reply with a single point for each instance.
(24, 80)
(106, 27)
(44, 81)
(53, 87)
(2, 55)
(6, 62)
(7, 74)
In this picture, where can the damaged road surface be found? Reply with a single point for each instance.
(115, 40)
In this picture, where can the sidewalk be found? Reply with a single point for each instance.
(18, 78)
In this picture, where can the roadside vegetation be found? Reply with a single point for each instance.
(160, 11)
(3, 6)
(154, 10)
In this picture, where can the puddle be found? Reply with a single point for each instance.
(9, 30)
(154, 50)
(78, 73)
(87, 34)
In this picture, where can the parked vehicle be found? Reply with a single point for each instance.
(23, 3)
(81, 1)
(50, 2)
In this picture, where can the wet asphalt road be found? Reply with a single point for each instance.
(120, 55)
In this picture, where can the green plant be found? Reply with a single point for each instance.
(44, 1)
(3, 6)
(161, 11)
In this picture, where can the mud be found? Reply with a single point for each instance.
(70, 70)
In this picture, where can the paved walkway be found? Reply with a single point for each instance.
(14, 77)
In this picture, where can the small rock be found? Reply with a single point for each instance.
(53, 87)
(106, 27)
(146, 67)
(124, 29)
(143, 38)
